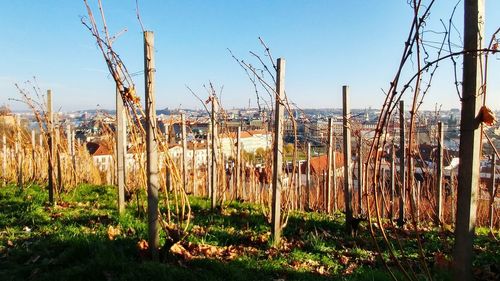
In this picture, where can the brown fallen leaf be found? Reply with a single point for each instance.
(143, 248)
(321, 270)
(350, 268)
(142, 245)
(344, 260)
(231, 253)
(178, 250)
(113, 232)
(295, 264)
(62, 205)
(198, 230)
(487, 116)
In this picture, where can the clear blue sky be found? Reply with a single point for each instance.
(327, 43)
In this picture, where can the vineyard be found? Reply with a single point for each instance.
(129, 195)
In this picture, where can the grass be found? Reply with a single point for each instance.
(70, 242)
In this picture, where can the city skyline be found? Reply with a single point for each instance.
(326, 44)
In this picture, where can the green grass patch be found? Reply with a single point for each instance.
(70, 242)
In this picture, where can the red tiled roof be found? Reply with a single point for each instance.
(98, 149)
(233, 135)
(320, 163)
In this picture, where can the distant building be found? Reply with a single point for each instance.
(250, 141)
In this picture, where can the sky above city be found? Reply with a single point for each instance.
(326, 44)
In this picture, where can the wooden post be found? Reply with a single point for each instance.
(347, 157)
(168, 178)
(121, 140)
(418, 188)
(243, 180)
(334, 180)
(278, 152)
(151, 144)
(58, 161)
(238, 163)
(50, 129)
(492, 189)
(222, 181)
(452, 196)
(328, 206)
(208, 163)
(322, 193)
(393, 183)
(439, 175)
(308, 177)
(167, 134)
(42, 153)
(213, 158)
(73, 157)
(19, 154)
(68, 138)
(360, 175)
(193, 165)
(33, 155)
(402, 167)
(184, 152)
(470, 137)
(382, 192)
(68, 142)
(299, 193)
(4, 160)
(253, 192)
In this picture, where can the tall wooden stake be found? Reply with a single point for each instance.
(439, 176)
(167, 133)
(238, 163)
(328, 206)
(393, 183)
(209, 162)
(402, 166)
(360, 175)
(68, 142)
(151, 144)
(347, 157)
(58, 161)
(452, 197)
(4, 160)
(308, 177)
(416, 196)
(33, 155)
(323, 187)
(492, 189)
(50, 129)
(68, 138)
(299, 191)
(19, 154)
(73, 157)
(168, 178)
(213, 158)
(193, 169)
(334, 180)
(382, 191)
(470, 128)
(184, 152)
(121, 139)
(278, 152)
